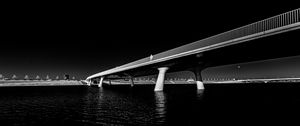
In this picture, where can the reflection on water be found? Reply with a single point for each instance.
(200, 94)
(160, 102)
(176, 105)
(107, 107)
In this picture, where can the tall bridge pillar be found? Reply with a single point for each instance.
(159, 86)
(198, 76)
(101, 82)
(109, 82)
(131, 82)
(89, 82)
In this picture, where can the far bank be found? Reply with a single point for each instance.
(19, 83)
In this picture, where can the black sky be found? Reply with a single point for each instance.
(81, 40)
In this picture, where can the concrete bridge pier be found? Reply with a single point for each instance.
(101, 82)
(200, 85)
(159, 86)
(89, 82)
(131, 82)
(109, 82)
(199, 82)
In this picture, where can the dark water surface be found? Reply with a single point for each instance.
(177, 105)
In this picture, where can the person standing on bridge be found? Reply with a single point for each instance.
(151, 57)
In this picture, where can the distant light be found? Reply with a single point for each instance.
(238, 67)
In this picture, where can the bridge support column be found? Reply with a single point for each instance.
(109, 81)
(159, 86)
(89, 82)
(199, 81)
(101, 82)
(131, 82)
(200, 85)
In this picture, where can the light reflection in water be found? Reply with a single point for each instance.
(200, 94)
(141, 106)
(160, 102)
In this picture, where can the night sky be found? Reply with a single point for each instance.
(83, 40)
(286, 67)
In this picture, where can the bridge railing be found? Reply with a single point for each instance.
(259, 27)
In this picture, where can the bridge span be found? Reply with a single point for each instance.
(198, 55)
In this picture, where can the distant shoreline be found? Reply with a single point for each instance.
(21, 83)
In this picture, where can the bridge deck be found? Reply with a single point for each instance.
(274, 25)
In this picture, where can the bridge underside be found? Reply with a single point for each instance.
(276, 46)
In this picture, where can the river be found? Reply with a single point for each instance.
(177, 105)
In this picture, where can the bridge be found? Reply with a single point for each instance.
(237, 45)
